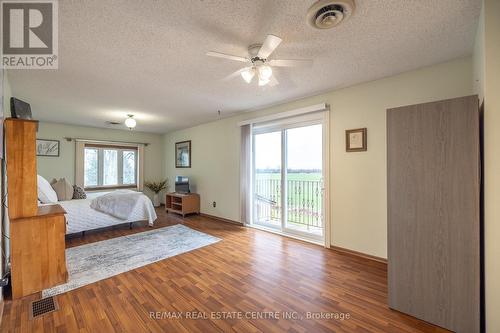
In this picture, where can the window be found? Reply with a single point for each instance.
(109, 166)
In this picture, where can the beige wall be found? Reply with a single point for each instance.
(478, 58)
(7, 93)
(488, 57)
(64, 165)
(358, 180)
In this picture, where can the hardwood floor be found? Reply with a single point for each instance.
(249, 272)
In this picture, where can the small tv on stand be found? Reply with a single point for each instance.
(182, 184)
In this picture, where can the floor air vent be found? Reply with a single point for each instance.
(43, 306)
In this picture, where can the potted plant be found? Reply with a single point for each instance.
(156, 187)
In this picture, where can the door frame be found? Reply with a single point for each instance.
(315, 118)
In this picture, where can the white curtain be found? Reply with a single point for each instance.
(140, 173)
(79, 163)
(245, 174)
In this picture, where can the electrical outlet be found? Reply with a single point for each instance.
(214, 204)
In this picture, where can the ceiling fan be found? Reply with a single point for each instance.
(259, 63)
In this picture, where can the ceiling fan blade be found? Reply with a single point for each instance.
(226, 56)
(273, 81)
(269, 45)
(290, 63)
(235, 74)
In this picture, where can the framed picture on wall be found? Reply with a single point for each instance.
(47, 148)
(183, 154)
(355, 140)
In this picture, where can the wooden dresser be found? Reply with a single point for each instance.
(37, 234)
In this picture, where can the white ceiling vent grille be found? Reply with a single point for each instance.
(326, 14)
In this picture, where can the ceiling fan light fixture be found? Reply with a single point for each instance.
(258, 63)
(263, 81)
(130, 121)
(265, 72)
(248, 75)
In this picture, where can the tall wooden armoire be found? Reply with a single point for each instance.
(433, 192)
(37, 234)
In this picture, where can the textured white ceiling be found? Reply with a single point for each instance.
(147, 57)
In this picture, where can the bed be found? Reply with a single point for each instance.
(98, 209)
(81, 217)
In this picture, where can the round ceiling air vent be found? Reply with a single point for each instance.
(326, 14)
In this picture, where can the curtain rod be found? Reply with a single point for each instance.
(106, 141)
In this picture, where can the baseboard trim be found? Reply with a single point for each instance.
(358, 254)
(222, 219)
(277, 232)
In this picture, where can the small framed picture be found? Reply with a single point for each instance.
(183, 154)
(355, 140)
(47, 148)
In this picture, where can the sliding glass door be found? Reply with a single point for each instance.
(304, 180)
(267, 179)
(288, 178)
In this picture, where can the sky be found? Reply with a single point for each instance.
(304, 148)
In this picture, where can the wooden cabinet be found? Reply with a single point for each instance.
(20, 142)
(433, 195)
(38, 251)
(37, 234)
(182, 203)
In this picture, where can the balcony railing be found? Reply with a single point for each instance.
(304, 201)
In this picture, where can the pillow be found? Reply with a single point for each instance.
(46, 193)
(79, 193)
(64, 189)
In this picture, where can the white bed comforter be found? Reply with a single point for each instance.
(81, 217)
(118, 203)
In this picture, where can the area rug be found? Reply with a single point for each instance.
(93, 262)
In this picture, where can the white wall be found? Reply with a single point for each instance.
(358, 180)
(4, 225)
(487, 79)
(64, 165)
